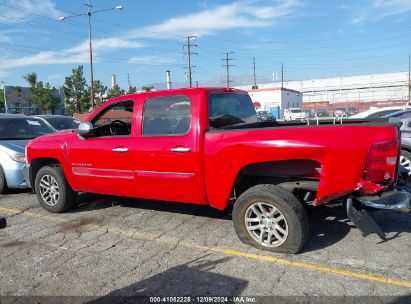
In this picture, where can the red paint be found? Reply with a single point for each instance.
(206, 175)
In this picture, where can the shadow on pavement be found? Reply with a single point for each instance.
(194, 278)
(88, 202)
(328, 226)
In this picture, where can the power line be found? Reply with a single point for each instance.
(227, 65)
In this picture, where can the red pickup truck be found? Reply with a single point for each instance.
(206, 146)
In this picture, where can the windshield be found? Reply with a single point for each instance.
(63, 123)
(22, 128)
(230, 109)
(295, 111)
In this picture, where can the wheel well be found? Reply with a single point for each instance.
(300, 177)
(37, 164)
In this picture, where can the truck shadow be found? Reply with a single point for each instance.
(329, 223)
(191, 279)
(89, 202)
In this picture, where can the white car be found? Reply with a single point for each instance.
(377, 112)
(294, 114)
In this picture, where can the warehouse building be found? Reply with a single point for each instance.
(362, 92)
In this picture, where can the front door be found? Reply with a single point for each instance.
(103, 163)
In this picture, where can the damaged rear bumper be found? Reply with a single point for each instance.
(398, 201)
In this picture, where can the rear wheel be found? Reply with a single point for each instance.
(271, 218)
(3, 183)
(405, 160)
(53, 191)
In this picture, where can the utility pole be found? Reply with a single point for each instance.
(128, 80)
(189, 53)
(282, 75)
(89, 13)
(255, 78)
(227, 59)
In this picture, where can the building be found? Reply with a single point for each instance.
(362, 92)
(18, 101)
(275, 99)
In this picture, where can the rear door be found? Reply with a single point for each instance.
(169, 156)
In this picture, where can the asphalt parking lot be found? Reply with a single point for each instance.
(110, 246)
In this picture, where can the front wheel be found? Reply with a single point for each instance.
(3, 183)
(269, 217)
(53, 191)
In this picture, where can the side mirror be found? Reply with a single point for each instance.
(85, 129)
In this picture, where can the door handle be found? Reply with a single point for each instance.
(181, 149)
(120, 150)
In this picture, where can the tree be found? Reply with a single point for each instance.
(19, 100)
(41, 94)
(2, 100)
(147, 88)
(115, 91)
(99, 92)
(131, 90)
(76, 92)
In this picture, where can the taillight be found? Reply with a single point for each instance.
(382, 161)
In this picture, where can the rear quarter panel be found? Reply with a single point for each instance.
(341, 150)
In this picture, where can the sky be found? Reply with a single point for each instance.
(311, 38)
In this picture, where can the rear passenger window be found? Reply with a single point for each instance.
(166, 115)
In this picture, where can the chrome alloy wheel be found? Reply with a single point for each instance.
(266, 224)
(406, 163)
(49, 190)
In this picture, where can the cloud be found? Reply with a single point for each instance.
(239, 14)
(20, 10)
(74, 55)
(363, 11)
(150, 60)
(43, 58)
(3, 74)
(105, 45)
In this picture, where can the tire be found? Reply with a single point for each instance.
(405, 160)
(60, 197)
(3, 183)
(294, 220)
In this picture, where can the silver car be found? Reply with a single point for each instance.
(59, 122)
(15, 132)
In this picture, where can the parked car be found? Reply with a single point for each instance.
(294, 114)
(351, 111)
(309, 113)
(377, 112)
(215, 151)
(405, 117)
(340, 112)
(265, 116)
(322, 113)
(15, 133)
(59, 122)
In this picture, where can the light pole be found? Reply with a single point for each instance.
(89, 14)
(5, 99)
